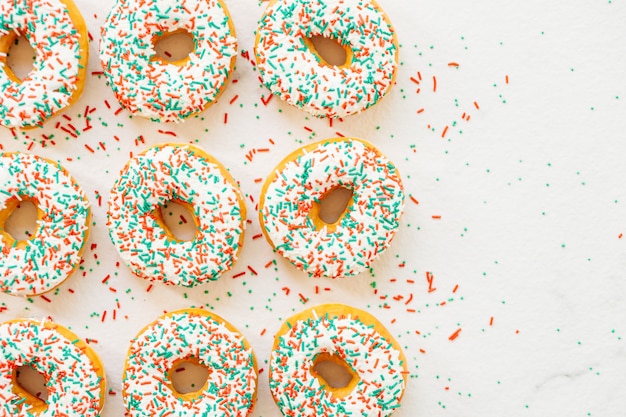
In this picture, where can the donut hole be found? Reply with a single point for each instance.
(178, 220)
(334, 373)
(174, 47)
(334, 204)
(32, 382)
(329, 50)
(188, 377)
(21, 221)
(20, 58)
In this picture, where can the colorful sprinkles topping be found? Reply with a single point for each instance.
(296, 74)
(186, 174)
(363, 232)
(232, 381)
(73, 382)
(61, 50)
(161, 91)
(46, 259)
(375, 360)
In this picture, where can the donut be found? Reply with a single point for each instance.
(343, 335)
(290, 202)
(190, 335)
(73, 372)
(292, 69)
(191, 177)
(156, 89)
(42, 262)
(58, 34)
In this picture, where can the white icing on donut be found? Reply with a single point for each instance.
(53, 251)
(291, 71)
(375, 360)
(74, 388)
(364, 231)
(179, 173)
(232, 382)
(52, 83)
(157, 90)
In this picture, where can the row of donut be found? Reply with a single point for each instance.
(76, 381)
(152, 87)
(288, 212)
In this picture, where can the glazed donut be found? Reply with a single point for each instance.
(74, 374)
(50, 255)
(57, 32)
(294, 71)
(167, 91)
(189, 176)
(290, 202)
(347, 336)
(183, 336)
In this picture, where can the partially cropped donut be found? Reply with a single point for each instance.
(167, 91)
(294, 71)
(73, 372)
(346, 336)
(190, 335)
(191, 177)
(50, 255)
(57, 32)
(290, 203)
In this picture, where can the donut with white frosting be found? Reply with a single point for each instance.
(191, 177)
(43, 261)
(58, 34)
(290, 203)
(75, 378)
(191, 335)
(156, 89)
(293, 70)
(350, 338)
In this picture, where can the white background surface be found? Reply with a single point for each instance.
(530, 192)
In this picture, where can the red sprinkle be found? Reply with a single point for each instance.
(167, 132)
(265, 102)
(455, 334)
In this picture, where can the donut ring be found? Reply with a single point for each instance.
(293, 70)
(74, 374)
(41, 263)
(289, 207)
(167, 91)
(190, 335)
(343, 335)
(191, 177)
(60, 68)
